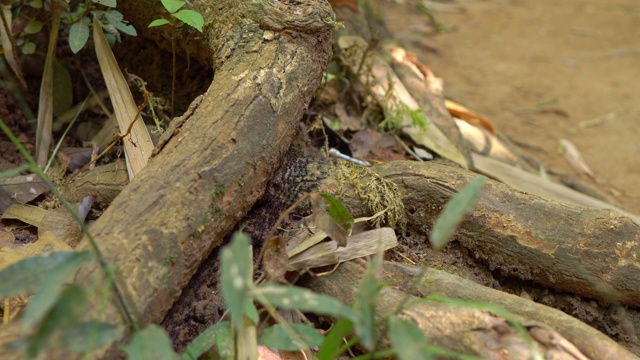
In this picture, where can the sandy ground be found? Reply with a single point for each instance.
(542, 70)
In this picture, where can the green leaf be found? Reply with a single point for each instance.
(151, 343)
(324, 220)
(50, 287)
(205, 341)
(276, 338)
(224, 342)
(116, 19)
(78, 35)
(338, 212)
(66, 312)
(236, 267)
(109, 3)
(329, 349)
(26, 275)
(173, 5)
(190, 17)
(291, 297)
(62, 89)
(250, 311)
(364, 305)
(33, 27)
(89, 335)
(15, 171)
(453, 213)
(36, 4)
(28, 48)
(159, 22)
(64, 4)
(408, 340)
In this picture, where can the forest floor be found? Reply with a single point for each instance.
(542, 70)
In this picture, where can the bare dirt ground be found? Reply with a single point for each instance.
(542, 70)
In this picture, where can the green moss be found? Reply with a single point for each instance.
(377, 194)
(219, 191)
(217, 212)
(171, 259)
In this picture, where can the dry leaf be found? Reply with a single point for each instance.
(45, 103)
(45, 244)
(29, 214)
(20, 189)
(351, 4)
(275, 260)
(472, 117)
(359, 245)
(138, 145)
(6, 237)
(347, 122)
(573, 156)
(7, 46)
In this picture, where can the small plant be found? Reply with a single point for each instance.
(111, 20)
(189, 17)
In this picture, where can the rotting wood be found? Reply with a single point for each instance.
(581, 250)
(585, 251)
(268, 64)
(466, 329)
(206, 178)
(423, 282)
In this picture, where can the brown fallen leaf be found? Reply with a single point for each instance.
(472, 117)
(352, 4)
(275, 260)
(20, 189)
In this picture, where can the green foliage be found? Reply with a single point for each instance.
(364, 305)
(56, 309)
(408, 340)
(290, 297)
(151, 343)
(395, 119)
(29, 274)
(332, 346)
(79, 34)
(236, 272)
(78, 21)
(453, 213)
(189, 17)
(338, 212)
(206, 340)
(86, 335)
(276, 337)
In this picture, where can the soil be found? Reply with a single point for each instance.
(542, 70)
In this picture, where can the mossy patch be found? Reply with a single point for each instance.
(376, 193)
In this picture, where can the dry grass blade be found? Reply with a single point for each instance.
(359, 245)
(45, 104)
(7, 43)
(137, 144)
(573, 156)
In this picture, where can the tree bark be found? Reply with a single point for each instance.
(470, 329)
(585, 251)
(208, 176)
(268, 59)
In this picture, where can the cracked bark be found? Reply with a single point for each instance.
(268, 63)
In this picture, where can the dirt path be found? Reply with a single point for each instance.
(542, 70)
